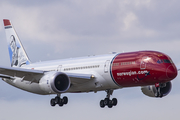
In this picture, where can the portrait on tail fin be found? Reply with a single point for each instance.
(16, 54)
(14, 49)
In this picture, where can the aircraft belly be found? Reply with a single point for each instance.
(25, 85)
(100, 82)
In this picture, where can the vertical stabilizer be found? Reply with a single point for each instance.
(18, 56)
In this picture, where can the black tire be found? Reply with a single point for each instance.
(65, 100)
(110, 104)
(61, 103)
(57, 99)
(52, 102)
(106, 101)
(114, 101)
(161, 95)
(102, 104)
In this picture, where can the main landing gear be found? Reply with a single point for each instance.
(58, 100)
(107, 101)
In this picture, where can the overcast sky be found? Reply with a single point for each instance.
(60, 29)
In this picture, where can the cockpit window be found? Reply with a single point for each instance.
(166, 61)
(159, 61)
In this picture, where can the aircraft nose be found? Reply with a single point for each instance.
(171, 72)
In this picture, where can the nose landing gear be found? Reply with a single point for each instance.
(159, 92)
(107, 101)
(59, 101)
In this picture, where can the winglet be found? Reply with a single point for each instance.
(6, 22)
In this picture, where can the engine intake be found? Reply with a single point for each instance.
(60, 83)
(54, 82)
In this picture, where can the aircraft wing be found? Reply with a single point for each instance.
(35, 75)
(26, 74)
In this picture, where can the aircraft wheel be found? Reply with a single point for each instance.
(52, 102)
(102, 104)
(110, 104)
(65, 100)
(106, 101)
(61, 103)
(114, 101)
(161, 95)
(57, 99)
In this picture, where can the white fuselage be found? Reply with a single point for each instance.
(99, 66)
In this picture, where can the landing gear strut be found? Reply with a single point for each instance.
(107, 101)
(159, 92)
(58, 100)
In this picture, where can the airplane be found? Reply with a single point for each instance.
(150, 70)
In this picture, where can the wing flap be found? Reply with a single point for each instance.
(6, 76)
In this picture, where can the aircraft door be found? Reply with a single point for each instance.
(106, 66)
(143, 63)
(59, 68)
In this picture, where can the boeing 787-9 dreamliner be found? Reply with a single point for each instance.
(151, 70)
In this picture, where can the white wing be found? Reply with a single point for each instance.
(35, 75)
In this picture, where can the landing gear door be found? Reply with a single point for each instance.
(106, 66)
(143, 63)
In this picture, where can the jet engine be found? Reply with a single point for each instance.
(152, 91)
(54, 82)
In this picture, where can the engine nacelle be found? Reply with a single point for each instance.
(54, 82)
(151, 90)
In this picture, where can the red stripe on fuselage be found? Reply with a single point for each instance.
(141, 68)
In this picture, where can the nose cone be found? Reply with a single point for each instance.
(171, 72)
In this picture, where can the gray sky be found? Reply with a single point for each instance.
(60, 29)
